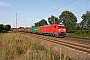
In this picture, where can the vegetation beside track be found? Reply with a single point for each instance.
(4, 28)
(20, 47)
(80, 33)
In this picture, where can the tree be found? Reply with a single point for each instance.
(1, 27)
(43, 22)
(37, 24)
(85, 23)
(78, 26)
(4, 28)
(69, 19)
(53, 20)
(7, 27)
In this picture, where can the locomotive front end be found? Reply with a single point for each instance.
(61, 30)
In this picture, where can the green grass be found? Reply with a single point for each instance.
(80, 33)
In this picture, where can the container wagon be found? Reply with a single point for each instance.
(20, 29)
(35, 29)
(27, 29)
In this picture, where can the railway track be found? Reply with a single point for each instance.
(86, 38)
(80, 39)
(79, 47)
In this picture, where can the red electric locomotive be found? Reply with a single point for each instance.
(56, 30)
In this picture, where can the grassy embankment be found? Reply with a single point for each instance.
(80, 33)
(24, 48)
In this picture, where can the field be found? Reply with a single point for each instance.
(21, 47)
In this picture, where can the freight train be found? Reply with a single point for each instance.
(57, 30)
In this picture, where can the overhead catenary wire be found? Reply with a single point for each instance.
(71, 7)
(79, 4)
(44, 7)
(82, 10)
(66, 5)
(47, 5)
(59, 7)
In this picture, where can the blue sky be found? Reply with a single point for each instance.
(31, 11)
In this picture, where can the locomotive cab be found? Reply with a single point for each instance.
(59, 30)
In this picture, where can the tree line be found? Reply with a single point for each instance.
(4, 28)
(70, 21)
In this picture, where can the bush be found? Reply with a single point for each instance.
(81, 33)
(4, 28)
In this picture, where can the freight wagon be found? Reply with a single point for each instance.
(27, 29)
(35, 29)
(20, 30)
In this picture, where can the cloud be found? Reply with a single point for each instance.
(4, 4)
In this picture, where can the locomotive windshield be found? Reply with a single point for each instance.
(61, 26)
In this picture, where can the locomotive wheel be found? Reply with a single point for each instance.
(44, 34)
(52, 35)
(56, 36)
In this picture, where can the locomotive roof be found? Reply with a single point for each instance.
(52, 24)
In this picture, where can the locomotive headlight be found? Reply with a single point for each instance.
(59, 29)
(64, 29)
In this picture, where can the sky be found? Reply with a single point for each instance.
(32, 11)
